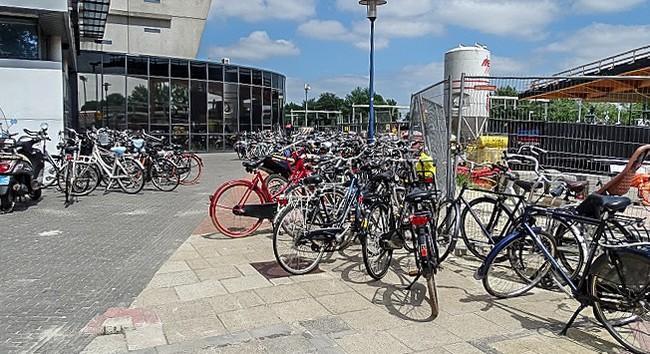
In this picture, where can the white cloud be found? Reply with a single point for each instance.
(598, 41)
(258, 10)
(605, 5)
(332, 30)
(416, 77)
(501, 66)
(257, 46)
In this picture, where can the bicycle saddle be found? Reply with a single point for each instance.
(418, 196)
(118, 150)
(595, 204)
(312, 180)
(577, 186)
(252, 165)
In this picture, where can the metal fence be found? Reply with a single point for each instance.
(430, 118)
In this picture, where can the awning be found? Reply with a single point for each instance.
(92, 18)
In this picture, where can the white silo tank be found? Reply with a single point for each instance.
(471, 61)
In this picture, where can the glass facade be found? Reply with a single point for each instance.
(200, 105)
(18, 39)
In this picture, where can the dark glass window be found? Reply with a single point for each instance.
(215, 143)
(245, 76)
(266, 108)
(179, 68)
(231, 74)
(199, 110)
(275, 81)
(113, 64)
(245, 108)
(137, 103)
(89, 107)
(215, 72)
(276, 109)
(159, 67)
(199, 143)
(257, 77)
(180, 104)
(230, 108)
(198, 71)
(215, 108)
(89, 63)
(137, 65)
(257, 108)
(114, 101)
(159, 105)
(267, 79)
(18, 39)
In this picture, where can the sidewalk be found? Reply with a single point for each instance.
(209, 298)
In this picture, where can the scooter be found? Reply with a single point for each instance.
(21, 167)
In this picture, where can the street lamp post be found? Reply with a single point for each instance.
(106, 120)
(371, 6)
(307, 88)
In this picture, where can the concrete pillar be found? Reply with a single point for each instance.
(55, 52)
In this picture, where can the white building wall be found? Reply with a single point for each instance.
(33, 96)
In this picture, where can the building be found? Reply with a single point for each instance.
(128, 64)
(153, 27)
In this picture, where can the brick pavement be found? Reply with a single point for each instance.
(63, 266)
(211, 300)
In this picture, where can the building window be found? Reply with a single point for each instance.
(215, 108)
(231, 74)
(199, 109)
(18, 39)
(153, 1)
(152, 30)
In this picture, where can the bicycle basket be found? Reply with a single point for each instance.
(104, 139)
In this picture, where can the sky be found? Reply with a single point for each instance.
(325, 42)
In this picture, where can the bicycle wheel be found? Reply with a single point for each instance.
(621, 288)
(295, 253)
(194, 169)
(523, 266)
(447, 228)
(131, 176)
(375, 257)
(164, 175)
(275, 183)
(223, 202)
(50, 175)
(482, 224)
(86, 179)
(433, 296)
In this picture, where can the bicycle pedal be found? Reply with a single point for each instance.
(413, 272)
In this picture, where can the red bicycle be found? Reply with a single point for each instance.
(238, 207)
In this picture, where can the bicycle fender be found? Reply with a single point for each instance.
(481, 272)
(633, 264)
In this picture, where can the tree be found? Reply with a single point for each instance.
(329, 102)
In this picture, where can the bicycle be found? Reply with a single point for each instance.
(614, 278)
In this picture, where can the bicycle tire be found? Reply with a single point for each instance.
(447, 228)
(135, 176)
(194, 164)
(217, 202)
(495, 207)
(371, 244)
(164, 175)
(513, 258)
(279, 227)
(275, 183)
(90, 174)
(433, 296)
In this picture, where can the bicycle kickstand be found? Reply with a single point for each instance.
(573, 318)
(413, 282)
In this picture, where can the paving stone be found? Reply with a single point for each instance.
(469, 326)
(185, 255)
(346, 302)
(422, 336)
(288, 344)
(217, 273)
(235, 301)
(325, 325)
(299, 310)
(198, 263)
(145, 337)
(157, 296)
(281, 293)
(114, 343)
(277, 330)
(249, 318)
(462, 348)
(226, 260)
(234, 285)
(372, 319)
(371, 342)
(168, 280)
(324, 287)
(184, 310)
(247, 269)
(208, 288)
(173, 266)
(179, 331)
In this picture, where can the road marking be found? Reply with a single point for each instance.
(50, 233)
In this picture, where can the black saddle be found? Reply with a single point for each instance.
(312, 180)
(595, 204)
(419, 196)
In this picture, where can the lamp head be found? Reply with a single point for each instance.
(372, 5)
